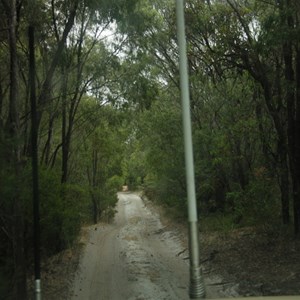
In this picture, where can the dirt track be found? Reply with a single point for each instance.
(133, 258)
(141, 256)
(130, 260)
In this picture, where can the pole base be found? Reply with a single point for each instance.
(197, 289)
(38, 291)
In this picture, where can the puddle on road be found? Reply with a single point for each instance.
(134, 220)
(130, 238)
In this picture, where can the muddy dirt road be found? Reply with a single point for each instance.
(133, 258)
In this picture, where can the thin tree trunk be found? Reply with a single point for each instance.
(64, 137)
(1, 103)
(46, 86)
(290, 99)
(94, 184)
(92, 178)
(296, 173)
(44, 95)
(47, 148)
(284, 182)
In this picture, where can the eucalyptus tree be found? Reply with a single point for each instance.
(64, 42)
(15, 20)
(258, 37)
(235, 56)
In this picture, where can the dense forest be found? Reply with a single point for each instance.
(106, 84)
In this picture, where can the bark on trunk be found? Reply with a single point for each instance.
(284, 182)
(47, 148)
(291, 57)
(296, 173)
(92, 177)
(65, 144)
(282, 151)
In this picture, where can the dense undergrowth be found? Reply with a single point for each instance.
(63, 211)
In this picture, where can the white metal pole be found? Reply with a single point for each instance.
(197, 290)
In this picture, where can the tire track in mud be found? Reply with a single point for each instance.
(150, 257)
(135, 258)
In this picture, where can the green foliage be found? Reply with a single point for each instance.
(75, 212)
(114, 183)
(120, 104)
(6, 274)
(258, 204)
(133, 166)
(221, 222)
(63, 209)
(233, 131)
(107, 197)
(155, 154)
(108, 201)
(62, 212)
(51, 210)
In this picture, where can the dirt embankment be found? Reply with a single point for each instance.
(259, 262)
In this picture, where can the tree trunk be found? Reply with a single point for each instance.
(92, 178)
(95, 208)
(293, 107)
(296, 172)
(65, 147)
(240, 170)
(64, 130)
(45, 91)
(282, 150)
(1, 103)
(12, 129)
(45, 158)
(94, 184)
(284, 182)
